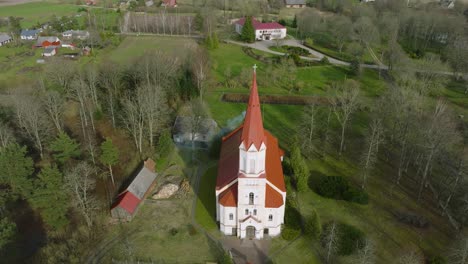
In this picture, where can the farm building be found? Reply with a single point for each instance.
(47, 41)
(75, 34)
(263, 31)
(201, 130)
(127, 202)
(169, 3)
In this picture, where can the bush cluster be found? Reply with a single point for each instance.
(337, 187)
(296, 50)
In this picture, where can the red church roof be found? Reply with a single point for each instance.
(253, 132)
(127, 201)
(259, 25)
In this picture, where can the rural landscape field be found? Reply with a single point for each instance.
(120, 122)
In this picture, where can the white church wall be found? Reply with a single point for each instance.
(252, 161)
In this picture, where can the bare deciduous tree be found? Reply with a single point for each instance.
(133, 118)
(32, 119)
(54, 104)
(79, 181)
(366, 255)
(200, 68)
(369, 156)
(459, 254)
(110, 80)
(344, 102)
(6, 135)
(308, 127)
(331, 241)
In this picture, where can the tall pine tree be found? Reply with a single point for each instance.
(65, 148)
(50, 198)
(248, 31)
(109, 156)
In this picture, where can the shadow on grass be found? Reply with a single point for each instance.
(206, 204)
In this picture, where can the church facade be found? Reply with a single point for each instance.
(250, 188)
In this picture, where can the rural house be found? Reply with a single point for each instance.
(127, 202)
(263, 31)
(250, 188)
(202, 130)
(29, 34)
(4, 39)
(295, 3)
(47, 41)
(75, 34)
(49, 51)
(169, 3)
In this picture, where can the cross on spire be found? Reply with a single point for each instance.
(255, 67)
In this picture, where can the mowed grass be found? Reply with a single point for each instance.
(205, 213)
(35, 12)
(135, 46)
(17, 64)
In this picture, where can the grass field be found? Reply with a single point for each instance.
(135, 46)
(35, 12)
(206, 204)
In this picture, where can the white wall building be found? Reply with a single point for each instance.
(250, 188)
(263, 31)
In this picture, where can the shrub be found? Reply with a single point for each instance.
(337, 187)
(325, 60)
(287, 166)
(437, 260)
(173, 231)
(312, 226)
(289, 234)
(292, 217)
(355, 67)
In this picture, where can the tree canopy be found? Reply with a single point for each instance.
(65, 148)
(248, 31)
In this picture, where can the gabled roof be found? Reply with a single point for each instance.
(143, 180)
(41, 40)
(4, 37)
(273, 198)
(228, 198)
(127, 201)
(169, 3)
(259, 25)
(253, 132)
(49, 49)
(295, 2)
(29, 32)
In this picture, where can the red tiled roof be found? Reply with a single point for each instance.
(273, 168)
(228, 198)
(259, 25)
(170, 3)
(273, 199)
(228, 165)
(127, 201)
(253, 132)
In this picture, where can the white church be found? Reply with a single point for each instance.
(250, 188)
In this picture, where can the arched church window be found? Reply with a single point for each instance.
(246, 211)
(270, 218)
(251, 198)
(231, 216)
(255, 211)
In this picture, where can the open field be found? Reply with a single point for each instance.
(135, 46)
(37, 12)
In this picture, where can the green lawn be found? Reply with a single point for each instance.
(135, 46)
(206, 203)
(35, 12)
(17, 64)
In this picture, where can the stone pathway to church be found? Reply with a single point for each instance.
(247, 251)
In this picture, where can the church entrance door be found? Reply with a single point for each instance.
(250, 232)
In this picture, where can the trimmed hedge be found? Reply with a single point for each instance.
(276, 99)
(349, 238)
(337, 187)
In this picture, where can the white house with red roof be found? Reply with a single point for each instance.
(263, 31)
(250, 188)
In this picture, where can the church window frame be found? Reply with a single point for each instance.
(270, 217)
(246, 211)
(251, 198)
(231, 216)
(255, 211)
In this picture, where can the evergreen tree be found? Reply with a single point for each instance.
(300, 169)
(65, 148)
(198, 22)
(50, 198)
(294, 23)
(215, 40)
(355, 67)
(248, 31)
(109, 156)
(16, 169)
(7, 231)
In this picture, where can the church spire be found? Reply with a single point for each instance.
(253, 132)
